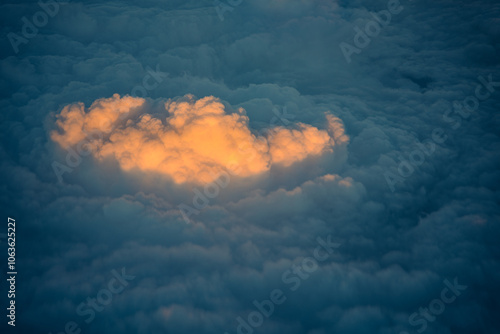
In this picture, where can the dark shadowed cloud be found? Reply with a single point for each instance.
(390, 152)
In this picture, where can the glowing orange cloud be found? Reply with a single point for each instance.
(195, 142)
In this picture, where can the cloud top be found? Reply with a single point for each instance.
(195, 142)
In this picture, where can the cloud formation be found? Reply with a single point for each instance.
(397, 247)
(194, 142)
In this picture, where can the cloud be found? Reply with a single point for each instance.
(194, 141)
(397, 248)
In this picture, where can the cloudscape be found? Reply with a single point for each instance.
(246, 167)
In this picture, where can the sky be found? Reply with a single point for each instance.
(250, 166)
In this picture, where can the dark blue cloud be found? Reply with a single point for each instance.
(399, 244)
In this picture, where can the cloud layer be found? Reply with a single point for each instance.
(280, 62)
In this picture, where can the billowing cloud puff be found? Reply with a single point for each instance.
(195, 142)
(102, 115)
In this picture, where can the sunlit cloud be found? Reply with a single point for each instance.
(194, 142)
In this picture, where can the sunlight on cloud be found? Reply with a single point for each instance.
(194, 143)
